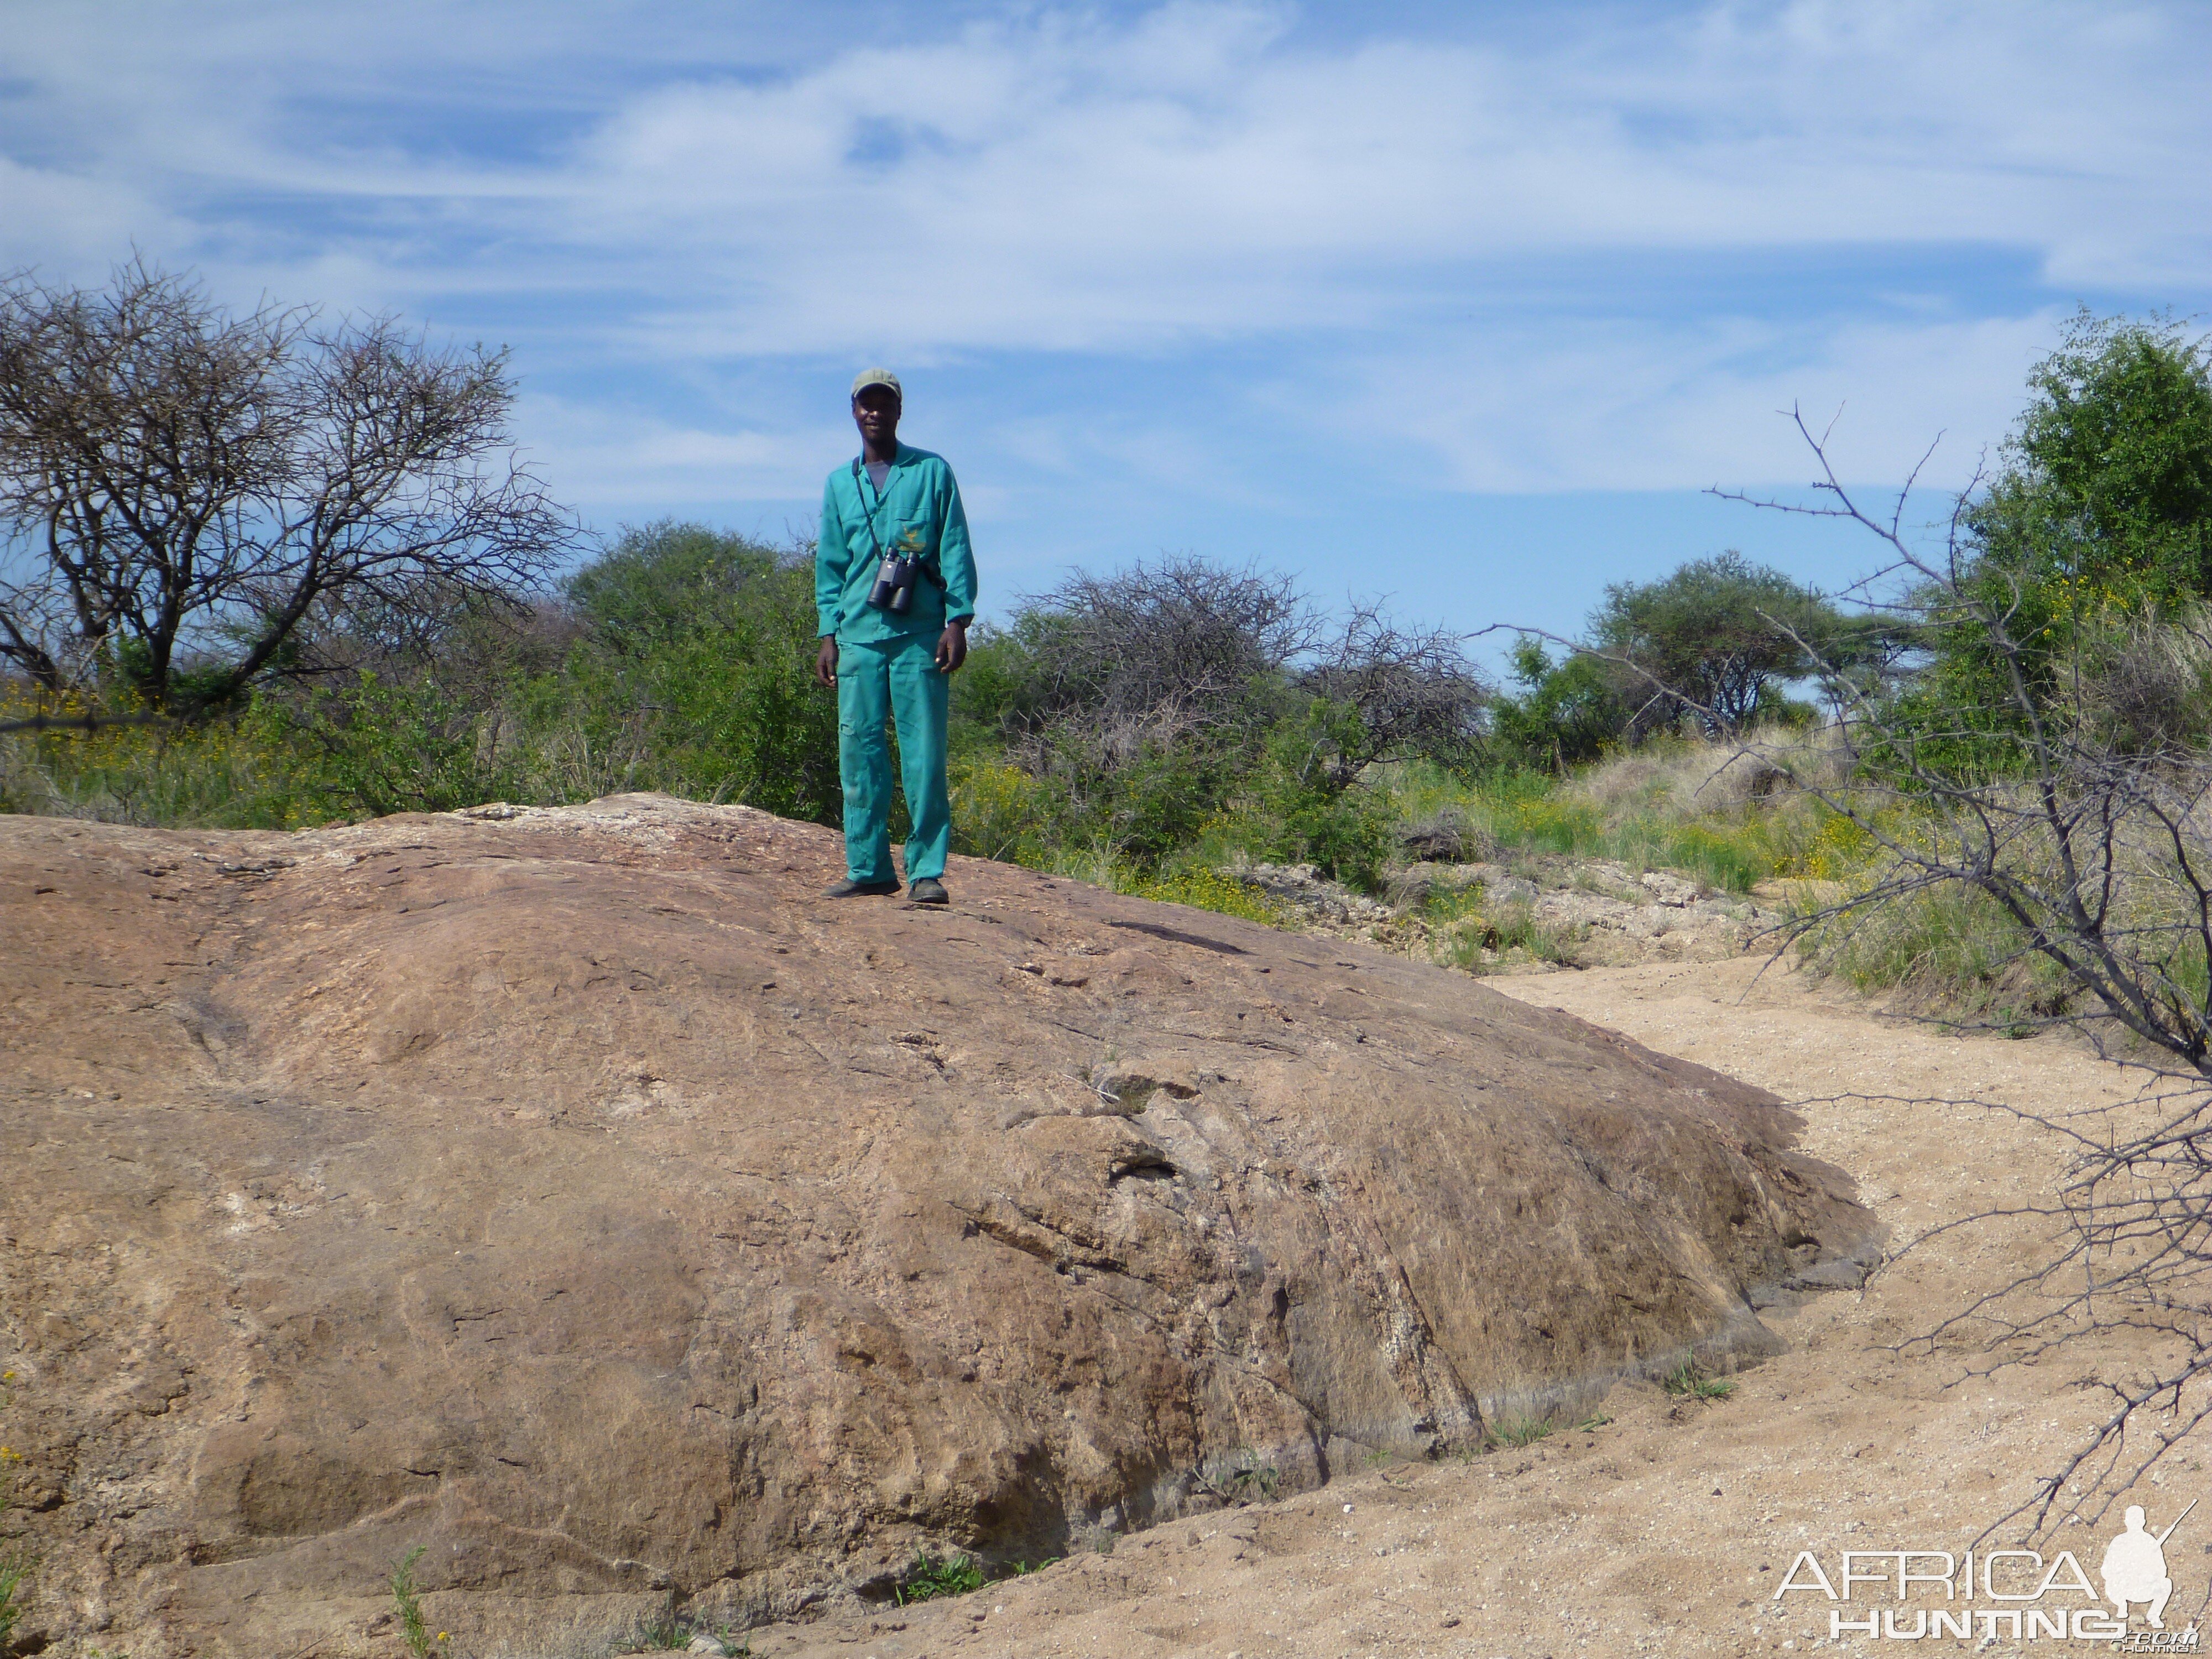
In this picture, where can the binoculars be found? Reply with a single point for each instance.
(895, 579)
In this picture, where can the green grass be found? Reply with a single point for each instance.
(1512, 926)
(927, 1578)
(1658, 825)
(15, 1568)
(223, 775)
(1951, 949)
(1690, 1381)
(1442, 906)
(1949, 935)
(14, 1574)
(666, 1632)
(1522, 1430)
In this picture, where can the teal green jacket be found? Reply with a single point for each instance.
(919, 509)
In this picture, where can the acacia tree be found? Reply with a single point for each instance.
(1717, 639)
(188, 497)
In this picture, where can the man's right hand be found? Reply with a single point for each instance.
(825, 663)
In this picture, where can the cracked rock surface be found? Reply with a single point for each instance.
(575, 1194)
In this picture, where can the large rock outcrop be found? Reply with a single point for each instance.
(576, 1194)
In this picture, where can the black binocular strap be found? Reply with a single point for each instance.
(926, 567)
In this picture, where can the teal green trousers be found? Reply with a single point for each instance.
(897, 679)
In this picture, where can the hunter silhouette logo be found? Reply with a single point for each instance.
(2134, 1568)
(2016, 1594)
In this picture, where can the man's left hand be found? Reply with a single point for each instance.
(952, 647)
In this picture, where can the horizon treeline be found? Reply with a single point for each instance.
(334, 592)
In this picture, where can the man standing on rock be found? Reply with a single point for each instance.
(894, 593)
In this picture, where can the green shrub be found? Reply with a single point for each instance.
(1245, 1477)
(1567, 714)
(1838, 849)
(1296, 812)
(407, 1603)
(689, 670)
(1690, 1381)
(1204, 887)
(927, 1578)
(372, 749)
(2099, 517)
(693, 675)
(998, 810)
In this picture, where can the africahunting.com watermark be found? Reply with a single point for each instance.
(2012, 1594)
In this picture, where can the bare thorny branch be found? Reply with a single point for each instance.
(2129, 1229)
(2097, 853)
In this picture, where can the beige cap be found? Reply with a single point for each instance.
(868, 377)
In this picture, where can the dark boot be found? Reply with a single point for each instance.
(850, 888)
(930, 890)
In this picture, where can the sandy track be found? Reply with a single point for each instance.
(1667, 1530)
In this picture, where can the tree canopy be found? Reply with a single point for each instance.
(189, 498)
(2103, 495)
(1719, 641)
(2096, 524)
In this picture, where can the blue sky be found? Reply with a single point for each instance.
(1460, 304)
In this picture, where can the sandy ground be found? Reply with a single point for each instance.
(1669, 1528)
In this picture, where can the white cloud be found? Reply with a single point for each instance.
(1052, 184)
(1060, 179)
(674, 187)
(1623, 406)
(611, 453)
(54, 219)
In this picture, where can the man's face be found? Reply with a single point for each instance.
(876, 412)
